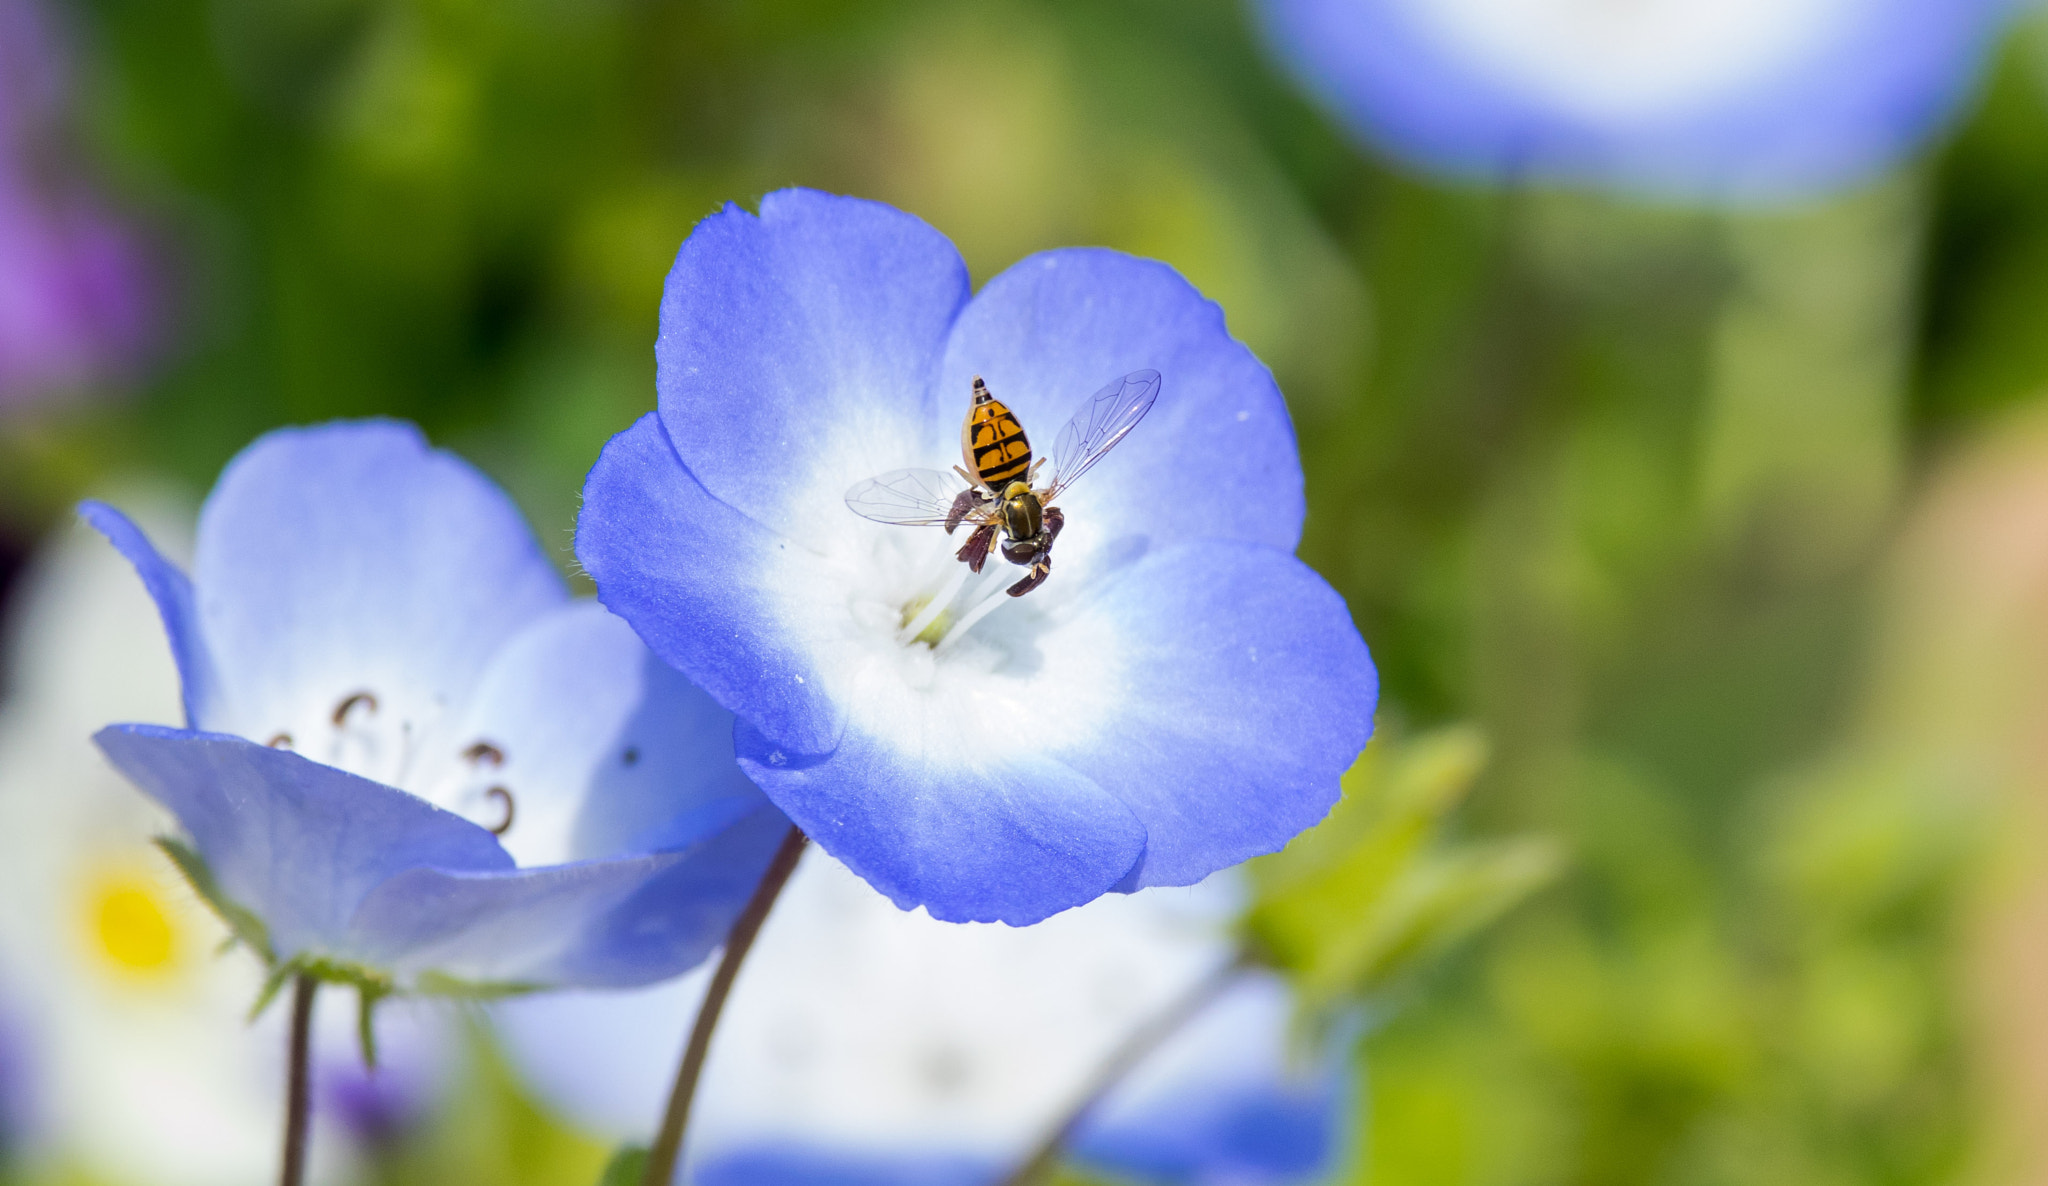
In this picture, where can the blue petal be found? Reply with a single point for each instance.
(1054, 329)
(1244, 694)
(298, 843)
(1222, 1101)
(793, 340)
(606, 750)
(1865, 94)
(353, 558)
(796, 1164)
(1015, 841)
(679, 565)
(172, 591)
(594, 924)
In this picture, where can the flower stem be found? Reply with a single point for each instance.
(1121, 1062)
(297, 1099)
(668, 1144)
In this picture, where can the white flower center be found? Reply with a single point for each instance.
(1626, 61)
(365, 734)
(935, 659)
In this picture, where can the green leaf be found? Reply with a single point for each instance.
(626, 1168)
(1375, 892)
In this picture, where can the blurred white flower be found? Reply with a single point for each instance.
(137, 1064)
(865, 1043)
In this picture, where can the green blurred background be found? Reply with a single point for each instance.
(1672, 506)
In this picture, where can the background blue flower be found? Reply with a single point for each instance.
(368, 614)
(1181, 695)
(1707, 98)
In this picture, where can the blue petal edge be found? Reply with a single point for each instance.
(591, 924)
(297, 843)
(171, 589)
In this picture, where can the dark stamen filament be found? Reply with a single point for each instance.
(485, 752)
(341, 710)
(501, 793)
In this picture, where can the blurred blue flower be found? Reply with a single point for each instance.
(380, 669)
(1716, 99)
(1181, 695)
(943, 1052)
(75, 300)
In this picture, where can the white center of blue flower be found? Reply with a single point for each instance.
(1622, 61)
(940, 661)
(414, 747)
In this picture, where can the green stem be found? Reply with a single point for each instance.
(668, 1145)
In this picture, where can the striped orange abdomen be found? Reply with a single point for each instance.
(992, 443)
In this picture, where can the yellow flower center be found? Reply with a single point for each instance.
(133, 926)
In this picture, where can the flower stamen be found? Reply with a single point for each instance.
(982, 609)
(505, 796)
(915, 624)
(341, 711)
(484, 753)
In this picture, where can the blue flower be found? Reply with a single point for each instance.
(943, 1052)
(380, 670)
(1182, 693)
(1721, 99)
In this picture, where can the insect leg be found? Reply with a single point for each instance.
(1041, 564)
(974, 553)
(963, 504)
(1040, 569)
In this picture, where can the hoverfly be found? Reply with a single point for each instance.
(996, 489)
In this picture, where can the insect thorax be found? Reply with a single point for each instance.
(993, 446)
(1023, 514)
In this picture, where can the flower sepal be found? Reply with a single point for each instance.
(244, 926)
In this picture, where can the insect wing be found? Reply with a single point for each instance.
(1104, 420)
(911, 497)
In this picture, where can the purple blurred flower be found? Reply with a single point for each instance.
(75, 305)
(377, 1105)
(1714, 99)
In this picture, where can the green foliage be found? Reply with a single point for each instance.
(626, 1168)
(1376, 891)
(491, 1133)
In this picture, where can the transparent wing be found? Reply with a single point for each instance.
(1104, 420)
(912, 497)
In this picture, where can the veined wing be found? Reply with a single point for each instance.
(911, 497)
(1104, 420)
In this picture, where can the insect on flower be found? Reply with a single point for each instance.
(994, 490)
